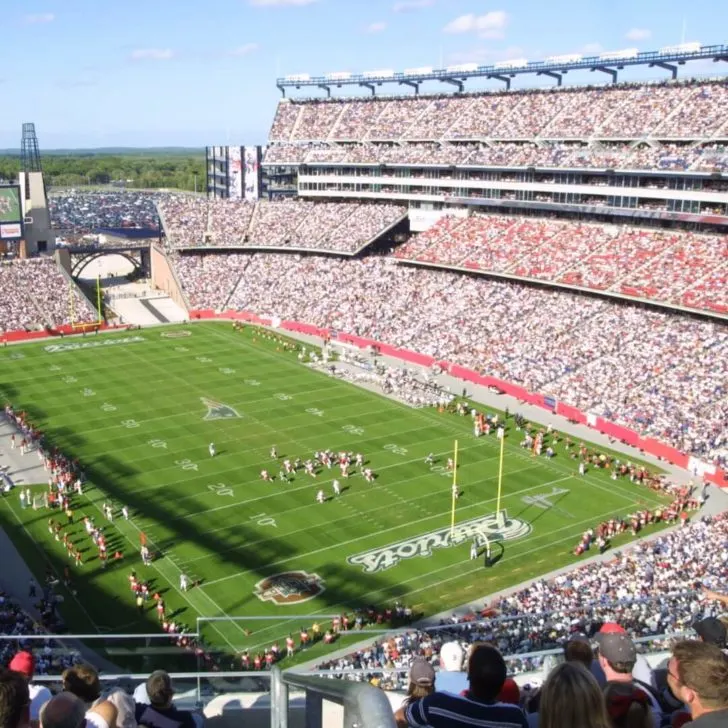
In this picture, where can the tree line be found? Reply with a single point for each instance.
(143, 171)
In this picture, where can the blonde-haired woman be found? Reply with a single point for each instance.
(421, 684)
(571, 698)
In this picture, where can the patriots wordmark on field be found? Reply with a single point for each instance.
(479, 529)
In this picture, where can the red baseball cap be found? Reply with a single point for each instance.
(612, 628)
(23, 663)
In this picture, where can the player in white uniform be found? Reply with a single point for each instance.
(359, 460)
(455, 491)
(125, 512)
(265, 475)
(368, 475)
(320, 497)
(274, 453)
(211, 449)
(337, 487)
(430, 459)
(473, 551)
(183, 582)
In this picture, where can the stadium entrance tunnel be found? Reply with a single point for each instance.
(139, 258)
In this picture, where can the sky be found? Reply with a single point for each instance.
(100, 73)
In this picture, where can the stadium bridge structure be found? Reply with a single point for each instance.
(130, 243)
(669, 58)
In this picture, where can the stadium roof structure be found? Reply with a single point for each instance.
(669, 58)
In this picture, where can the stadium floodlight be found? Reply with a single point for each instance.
(339, 76)
(462, 68)
(622, 55)
(569, 58)
(299, 77)
(681, 48)
(515, 63)
(422, 71)
(384, 73)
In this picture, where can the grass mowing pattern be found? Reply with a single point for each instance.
(133, 415)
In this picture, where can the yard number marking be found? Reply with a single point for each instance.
(315, 412)
(353, 429)
(220, 489)
(88, 392)
(129, 424)
(252, 382)
(396, 449)
(204, 360)
(226, 370)
(107, 407)
(283, 397)
(157, 443)
(70, 380)
(186, 464)
(264, 520)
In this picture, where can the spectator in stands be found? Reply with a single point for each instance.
(712, 631)
(451, 678)
(24, 663)
(617, 658)
(421, 681)
(83, 681)
(571, 698)
(479, 706)
(642, 672)
(14, 700)
(160, 713)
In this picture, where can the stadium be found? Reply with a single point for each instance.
(424, 371)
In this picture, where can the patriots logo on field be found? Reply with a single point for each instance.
(289, 587)
(218, 410)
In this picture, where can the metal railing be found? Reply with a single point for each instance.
(364, 705)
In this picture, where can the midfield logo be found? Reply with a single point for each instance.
(481, 530)
(218, 410)
(289, 587)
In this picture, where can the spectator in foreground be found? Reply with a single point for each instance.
(617, 658)
(712, 631)
(421, 681)
(697, 674)
(24, 663)
(67, 710)
(451, 678)
(83, 681)
(14, 700)
(160, 713)
(571, 698)
(125, 709)
(479, 706)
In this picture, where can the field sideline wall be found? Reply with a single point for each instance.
(647, 444)
(164, 278)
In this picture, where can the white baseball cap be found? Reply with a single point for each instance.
(451, 656)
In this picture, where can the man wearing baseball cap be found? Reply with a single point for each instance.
(642, 672)
(24, 663)
(450, 677)
(617, 658)
(712, 631)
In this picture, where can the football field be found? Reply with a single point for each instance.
(139, 409)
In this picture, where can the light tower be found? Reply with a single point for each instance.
(29, 153)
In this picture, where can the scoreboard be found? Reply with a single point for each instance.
(11, 216)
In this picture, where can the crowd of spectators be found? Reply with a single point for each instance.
(692, 110)
(85, 212)
(649, 589)
(572, 154)
(662, 374)
(661, 265)
(36, 295)
(342, 227)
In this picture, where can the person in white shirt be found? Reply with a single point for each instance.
(450, 677)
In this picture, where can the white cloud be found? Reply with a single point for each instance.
(281, 3)
(40, 18)
(151, 54)
(406, 6)
(638, 34)
(245, 50)
(491, 25)
(590, 49)
(376, 27)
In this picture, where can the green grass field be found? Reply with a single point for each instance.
(136, 414)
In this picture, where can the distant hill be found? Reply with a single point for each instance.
(116, 151)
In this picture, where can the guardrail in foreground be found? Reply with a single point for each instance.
(364, 706)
